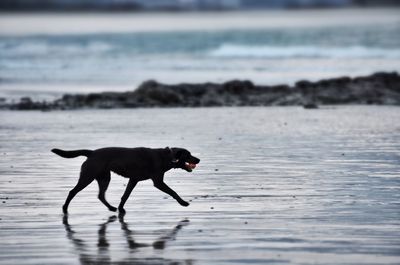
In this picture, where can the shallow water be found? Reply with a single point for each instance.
(275, 185)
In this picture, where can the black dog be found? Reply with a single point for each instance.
(137, 164)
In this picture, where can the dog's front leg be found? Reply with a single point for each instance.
(131, 184)
(164, 187)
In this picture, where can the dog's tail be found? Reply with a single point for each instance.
(72, 154)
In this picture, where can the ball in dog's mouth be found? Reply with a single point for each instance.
(190, 166)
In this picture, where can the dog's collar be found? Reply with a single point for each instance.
(174, 160)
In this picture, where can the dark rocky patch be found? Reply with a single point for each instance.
(378, 88)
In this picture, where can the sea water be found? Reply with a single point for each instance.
(47, 55)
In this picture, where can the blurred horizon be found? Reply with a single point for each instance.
(182, 5)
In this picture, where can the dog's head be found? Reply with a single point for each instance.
(182, 158)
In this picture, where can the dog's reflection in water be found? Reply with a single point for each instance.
(103, 256)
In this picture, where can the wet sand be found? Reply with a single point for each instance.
(278, 185)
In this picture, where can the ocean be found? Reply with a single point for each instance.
(67, 53)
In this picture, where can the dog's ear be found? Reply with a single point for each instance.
(176, 154)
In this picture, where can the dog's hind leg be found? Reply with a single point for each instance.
(85, 178)
(103, 182)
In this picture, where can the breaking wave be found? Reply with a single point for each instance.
(247, 51)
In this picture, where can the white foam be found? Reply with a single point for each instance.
(233, 50)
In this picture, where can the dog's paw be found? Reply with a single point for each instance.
(121, 211)
(184, 203)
